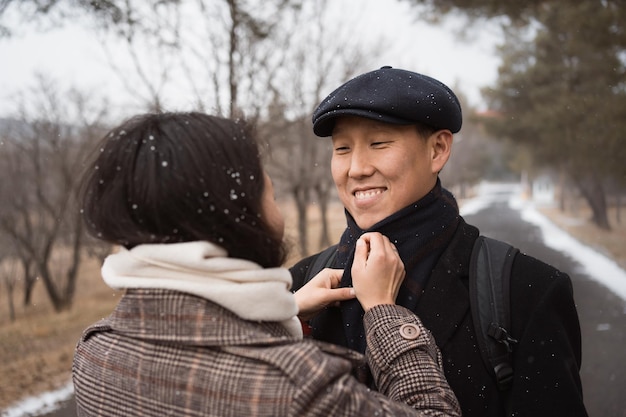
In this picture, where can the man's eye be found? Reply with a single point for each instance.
(342, 149)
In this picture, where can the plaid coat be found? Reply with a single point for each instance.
(164, 353)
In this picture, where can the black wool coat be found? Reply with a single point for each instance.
(544, 320)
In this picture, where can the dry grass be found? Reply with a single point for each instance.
(36, 350)
(336, 221)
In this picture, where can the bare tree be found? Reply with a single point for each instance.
(315, 61)
(217, 53)
(43, 155)
(237, 58)
(10, 275)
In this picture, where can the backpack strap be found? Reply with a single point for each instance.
(324, 260)
(490, 273)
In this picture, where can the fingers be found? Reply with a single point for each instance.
(341, 294)
(334, 276)
(377, 271)
(373, 244)
(320, 292)
(361, 252)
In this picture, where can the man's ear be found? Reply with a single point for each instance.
(441, 143)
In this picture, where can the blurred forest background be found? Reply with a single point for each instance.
(557, 109)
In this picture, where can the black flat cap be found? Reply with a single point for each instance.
(391, 95)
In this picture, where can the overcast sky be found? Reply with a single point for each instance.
(74, 57)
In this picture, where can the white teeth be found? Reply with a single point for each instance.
(360, 195)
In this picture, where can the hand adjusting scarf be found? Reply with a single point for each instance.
(420, 232)
(205, 270)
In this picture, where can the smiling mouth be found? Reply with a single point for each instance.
(363, 195)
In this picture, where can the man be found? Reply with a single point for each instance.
(392, 132)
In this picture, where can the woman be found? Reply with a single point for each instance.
(207, 325)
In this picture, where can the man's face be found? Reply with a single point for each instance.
(380, 168)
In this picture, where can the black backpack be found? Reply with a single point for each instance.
(490, 273)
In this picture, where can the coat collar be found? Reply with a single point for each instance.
(448, 286)
(170, 316)
(166, 316)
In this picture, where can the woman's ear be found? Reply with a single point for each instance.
(441, 145)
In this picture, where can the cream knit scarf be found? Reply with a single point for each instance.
(205, 270)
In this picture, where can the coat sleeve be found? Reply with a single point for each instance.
(407, 369)
(547, 359)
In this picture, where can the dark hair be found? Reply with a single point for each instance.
(424, 131)
(181, 177)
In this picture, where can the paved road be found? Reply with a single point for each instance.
(602, 314)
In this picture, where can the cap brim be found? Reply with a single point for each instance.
(323, 126)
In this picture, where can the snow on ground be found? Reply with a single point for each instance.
(487, 194)
(37, 405)
(598, 266)
(593, 263)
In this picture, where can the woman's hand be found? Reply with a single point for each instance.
(320, 292)
(377, 271)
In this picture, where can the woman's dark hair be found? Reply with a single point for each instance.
(181, 177)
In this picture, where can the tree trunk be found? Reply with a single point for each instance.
(51, 290)
(9, 281)
(562, 194)
(58, 299)
(72, 272)
(233, 47)
(592, 190)
(323, 195)
(300, 196)
(10, 288)
(30, 278)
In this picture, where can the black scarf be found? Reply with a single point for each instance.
(420, 232)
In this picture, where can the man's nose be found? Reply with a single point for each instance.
(360, 164)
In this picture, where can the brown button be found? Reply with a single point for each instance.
(409, 331)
